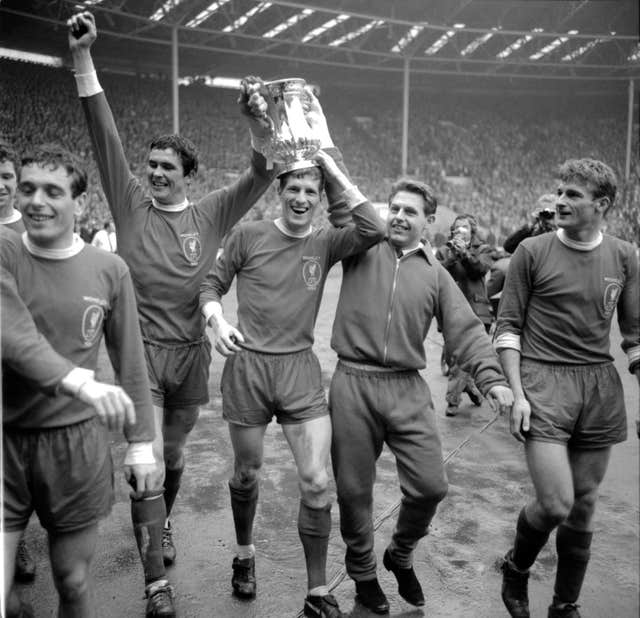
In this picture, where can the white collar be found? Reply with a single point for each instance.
(16, 215)
(279, 223)
(171, 207)
(577, 244)
(54, 254)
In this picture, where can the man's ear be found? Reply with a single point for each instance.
(603, 203)
(81, 204)
(431, 219)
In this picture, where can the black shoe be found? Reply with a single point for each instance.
(452, 410)
(168, 548)
(25, 569)
(322, 607)
(567, 610)
(371, 596)
(160, 601)
(244, 577)
(409, 587)
(514, 589)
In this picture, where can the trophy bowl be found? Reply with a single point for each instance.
(292, 144)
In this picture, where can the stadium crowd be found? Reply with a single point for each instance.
(491, 160)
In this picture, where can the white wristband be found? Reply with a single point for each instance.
(139, 453)
(352, 196)
(75, 380)
(88, 84)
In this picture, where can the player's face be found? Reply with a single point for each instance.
(8, 184)
(299, 198)
(48, 208)
(166, 176)
(406, 220)
(577, 210)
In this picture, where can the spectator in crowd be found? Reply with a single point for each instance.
(9, 163)
(468, 260)
(106, 238)
(56, 458)
(561, 293)
(271, 369)
(169, 244)
(378, 396)
(542, 220)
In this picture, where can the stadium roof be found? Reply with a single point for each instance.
(490, 42)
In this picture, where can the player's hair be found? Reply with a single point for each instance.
(56, 156)
(592, 172)
(183, 147)
(314, 173)
(420, 188)
(7, 153)
(473, 223)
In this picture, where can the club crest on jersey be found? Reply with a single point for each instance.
(191, 247)
(611, 295)
(92, 324)
(311, 271)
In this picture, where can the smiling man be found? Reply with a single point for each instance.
(388, 298)
(9, 163)
(169, 243)
(271, 370)
(56, 456)
(560, 294)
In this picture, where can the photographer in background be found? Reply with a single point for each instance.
(468, 260)
(542, 220)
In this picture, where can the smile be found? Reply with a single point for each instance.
(39, 218)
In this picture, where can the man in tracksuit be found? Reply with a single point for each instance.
(388, 298)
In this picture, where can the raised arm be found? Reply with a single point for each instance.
(118, 182)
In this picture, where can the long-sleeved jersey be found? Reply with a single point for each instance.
(75, 301)
(168, 253)
(558, 301)
(281, 277)
(24, 349)
(385, 310)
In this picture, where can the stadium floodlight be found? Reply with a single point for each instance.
(406, 39)
(243, 19)
(517, 44)
(164, 10)
(583, 49)
(442, 41)
(25, 56)
(634, 56)
(547, 49)
(287, 23)
(328, 25)
(208, 12)
(376, 23)
(481, 40)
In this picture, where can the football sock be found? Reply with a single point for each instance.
(529, 541)
(573, 547)
(171, 486)
(147, 516)
(243, 506)
(314, 526)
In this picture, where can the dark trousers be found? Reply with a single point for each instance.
(369, 408)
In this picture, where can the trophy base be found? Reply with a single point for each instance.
(295, 166)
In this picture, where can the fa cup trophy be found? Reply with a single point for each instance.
(292, 143)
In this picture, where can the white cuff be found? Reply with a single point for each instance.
(352, 196)
(88, 84)
(208, 310)
(508, 340)
(75, 380)
(139, 453)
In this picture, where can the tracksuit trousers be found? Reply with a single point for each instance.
(368, 408)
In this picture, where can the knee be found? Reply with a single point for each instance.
(314, 485)
(73, 585)
(555, 509)
(245, 475)
(431, 492)
(173, 454)
(583, 509)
